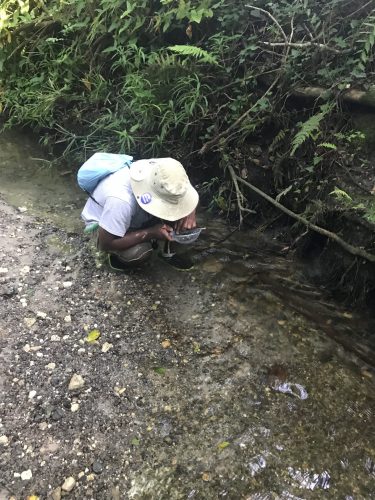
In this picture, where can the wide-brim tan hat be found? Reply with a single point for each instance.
(162, 188)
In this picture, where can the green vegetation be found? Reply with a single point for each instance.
(183, 77)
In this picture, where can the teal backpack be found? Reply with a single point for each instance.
(99, 166)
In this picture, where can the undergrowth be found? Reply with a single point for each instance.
(170, 76)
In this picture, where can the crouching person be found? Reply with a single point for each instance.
(138, 205)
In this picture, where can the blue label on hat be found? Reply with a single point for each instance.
(146, 198)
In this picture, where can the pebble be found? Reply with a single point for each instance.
(22, 209)
(4, 441)
(106, 347)
(29, 322)
(68, 484)
(55, 338)
(43, 426)
(57, 414)
(41, 314)
(67, 284)
(74, 407)
(97, 467)
(3, 270)
(32, 394)
(26, 475)
(76, 382)
(68, 319)
(25, 270)
(56, 493)
(51, 366)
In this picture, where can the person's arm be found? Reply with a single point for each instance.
(188, 222)
(109, 242)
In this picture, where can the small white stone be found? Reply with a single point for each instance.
(76, 382)
(68, 319)
(67, 284)
(32, 394)
(68, 484)
(26, 475)
(26, 348)
(4, 441)
(3, 270)
(55, 338)
(51, 366)
(41, 315)
(25, 270)
(29, 322)
(106, 347)
(74, 407)
(22, 209)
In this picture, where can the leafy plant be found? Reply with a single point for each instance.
(309, 127)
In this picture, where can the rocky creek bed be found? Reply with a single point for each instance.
(157, 384)
(178, 397)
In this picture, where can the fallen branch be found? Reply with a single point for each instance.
(358, 252)
(304, 45)
(366, 98)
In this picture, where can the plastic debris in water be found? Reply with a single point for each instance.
(296, 390)
(370, 466)
(285, 495)
(260, 496)
(310, 481)
(257, 465)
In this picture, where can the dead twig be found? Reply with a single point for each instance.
(234, 125)
(273, 19)
(240, 196)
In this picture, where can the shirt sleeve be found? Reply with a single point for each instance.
(116, 216)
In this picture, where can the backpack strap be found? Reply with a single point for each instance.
(93, 199)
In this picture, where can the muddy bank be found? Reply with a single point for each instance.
(191, 399)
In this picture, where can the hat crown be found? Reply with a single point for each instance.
(170, 180)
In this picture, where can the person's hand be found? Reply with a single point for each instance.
(188, 222)
(161, 232)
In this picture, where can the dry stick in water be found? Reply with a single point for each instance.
(359, 252)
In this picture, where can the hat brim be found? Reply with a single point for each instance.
(149, 201)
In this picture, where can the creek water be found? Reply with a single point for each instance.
(275, 389)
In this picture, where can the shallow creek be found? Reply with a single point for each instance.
(268, 399)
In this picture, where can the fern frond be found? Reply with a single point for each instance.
(339, 194)
(279, 137)
(196, 52)
(327, 145)
(368, 42)
(309, 127)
